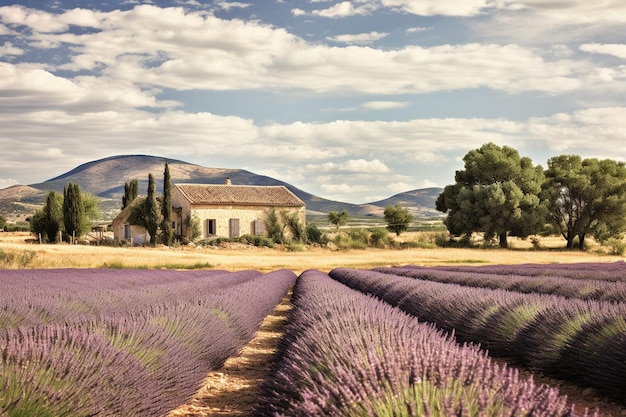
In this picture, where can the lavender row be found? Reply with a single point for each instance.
(32, 297)
(348, 354)
(605, 271)
(137, 362)
(580, 340)
(556, 285)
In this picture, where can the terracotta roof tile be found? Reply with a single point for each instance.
(247, 195)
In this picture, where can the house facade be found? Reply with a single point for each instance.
(124, 232)
(227, 210)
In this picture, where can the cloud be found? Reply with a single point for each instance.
(227, 5)
(345, 9)
(440, 7)
(384, 105)
(618, 50)
(177, 49)
(7, 182)
(9, 49)
(418, 29)
(358, 39)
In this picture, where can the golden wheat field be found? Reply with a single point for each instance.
(21, 252)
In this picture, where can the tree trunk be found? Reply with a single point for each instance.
(504, 244)
(570, 240)
(581, 242)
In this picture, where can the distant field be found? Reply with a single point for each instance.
(20, 254)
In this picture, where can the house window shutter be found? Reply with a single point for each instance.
(233, 228)
(259, 227)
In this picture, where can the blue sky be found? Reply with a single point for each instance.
(349, 100)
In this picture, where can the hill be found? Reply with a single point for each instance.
(105, 178)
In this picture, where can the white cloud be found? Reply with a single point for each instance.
(9, 49)
(172, 48)
(384, 105)
(358, 39)
(418, 29)
(227, 5)
(344, 9)
(618, 50)
(7, 182)
(440, 7)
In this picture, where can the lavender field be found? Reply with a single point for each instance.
(119, 342)
(406, 341)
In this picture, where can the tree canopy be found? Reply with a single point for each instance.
(338, 218)
(585, 197)
(398, 218)
(496, 193)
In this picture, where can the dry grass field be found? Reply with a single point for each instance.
(235, 257)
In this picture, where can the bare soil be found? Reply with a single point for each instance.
(233, 389)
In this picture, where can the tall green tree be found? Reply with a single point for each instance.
(151, 209)
(53, 216)
(497, 193)
(338, 218)
(585, 197)
(3, 222)
(72, 210)
(398, 218)
(131, 191)
(166, 208)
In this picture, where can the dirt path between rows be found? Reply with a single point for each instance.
(233, 389)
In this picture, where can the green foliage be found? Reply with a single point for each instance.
(292, 221)
(71, 213)
(273, 226)
(379, 238)
(617, 246)
(398, 218)
(356, 238)
(586, 197)
(167, 233)
(338, 218)
(3, 222)
(194, 231)
(151, 210)
(315, 235)
(497, 193)
(53, 216)
(131, 191)
(72, 210)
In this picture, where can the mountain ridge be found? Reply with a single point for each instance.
(105, 178)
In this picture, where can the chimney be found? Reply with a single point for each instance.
(227, 182)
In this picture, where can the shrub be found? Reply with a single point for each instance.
(379, 238)
(616, 246)
(315, 235)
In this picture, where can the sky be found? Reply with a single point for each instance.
(352, 101)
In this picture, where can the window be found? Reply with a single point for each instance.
(258, 227)
(233, 228)
(210, 226)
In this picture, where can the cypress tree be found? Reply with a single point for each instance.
(151, 210)
(53, 215)
(166, 208)
(72, 210)
(131, 191)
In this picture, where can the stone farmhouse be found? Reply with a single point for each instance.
(223, 210)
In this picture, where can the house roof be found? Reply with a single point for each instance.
(245, 195)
